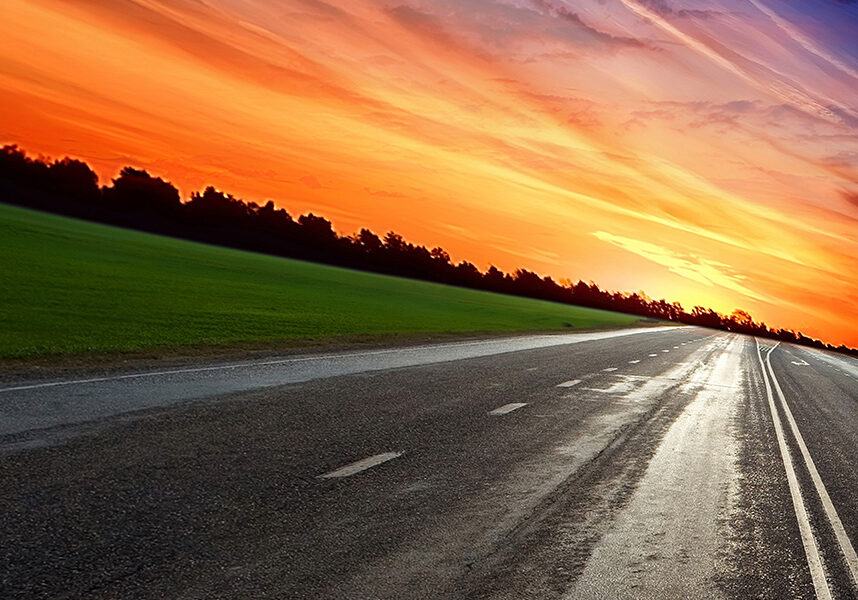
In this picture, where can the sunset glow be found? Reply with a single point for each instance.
(700, 152)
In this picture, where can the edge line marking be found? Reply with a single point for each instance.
(811, 550)
(280, 361)
(842, 538)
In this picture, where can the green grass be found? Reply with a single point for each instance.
(71, 287)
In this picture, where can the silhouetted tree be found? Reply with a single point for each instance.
(136, 190)
(214, 206)
(317, 228)
(74, 179)
(137, 199)
(370, 242)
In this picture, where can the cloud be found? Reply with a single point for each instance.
(851, 198)
(528, 252)
(702, 270)
(664, 9)
(763, 117)
(568, 16)
(696, 114)
(433, 29)
(311, 182)
(845, 158)
(805, 41)
(384, 193)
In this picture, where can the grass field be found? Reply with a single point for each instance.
(71, 287)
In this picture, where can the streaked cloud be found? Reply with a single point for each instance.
(702, 270)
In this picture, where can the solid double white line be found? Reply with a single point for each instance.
(814, 561)
(811, 548)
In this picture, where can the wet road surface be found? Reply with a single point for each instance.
(665, 463)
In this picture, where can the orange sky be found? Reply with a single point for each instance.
(706, 156)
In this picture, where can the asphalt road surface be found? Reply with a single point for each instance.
(647, 463)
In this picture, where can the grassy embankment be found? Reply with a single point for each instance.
(70, 287)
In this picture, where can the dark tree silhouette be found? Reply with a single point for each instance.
(74, 179)
(215, 207)
(138, 200)
(137, 191)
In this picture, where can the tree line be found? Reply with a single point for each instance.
(137, 200)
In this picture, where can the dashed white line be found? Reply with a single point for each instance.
(676, 347)
(634, 362)
(321, 357)
(665, 350)
(361, 465)
(653, 354)
(610, 369)
(811, 551)
(507, 408)
(569, 383)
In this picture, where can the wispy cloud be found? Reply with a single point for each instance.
(710, 273)
(565, 14)
(384, 193)
(312, 182)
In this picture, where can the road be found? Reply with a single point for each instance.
(649, 463)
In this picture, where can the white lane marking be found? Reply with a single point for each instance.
(676, 347)
(634, 362)
(610, 369)
(533, 368)
(361, 465)
(569, 383)
(653, 354)
(282, 361)
(507, 408)
(830, 512)
(811, 551)
(800, 363)
(665, 350)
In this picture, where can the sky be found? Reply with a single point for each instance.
(702, 152)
